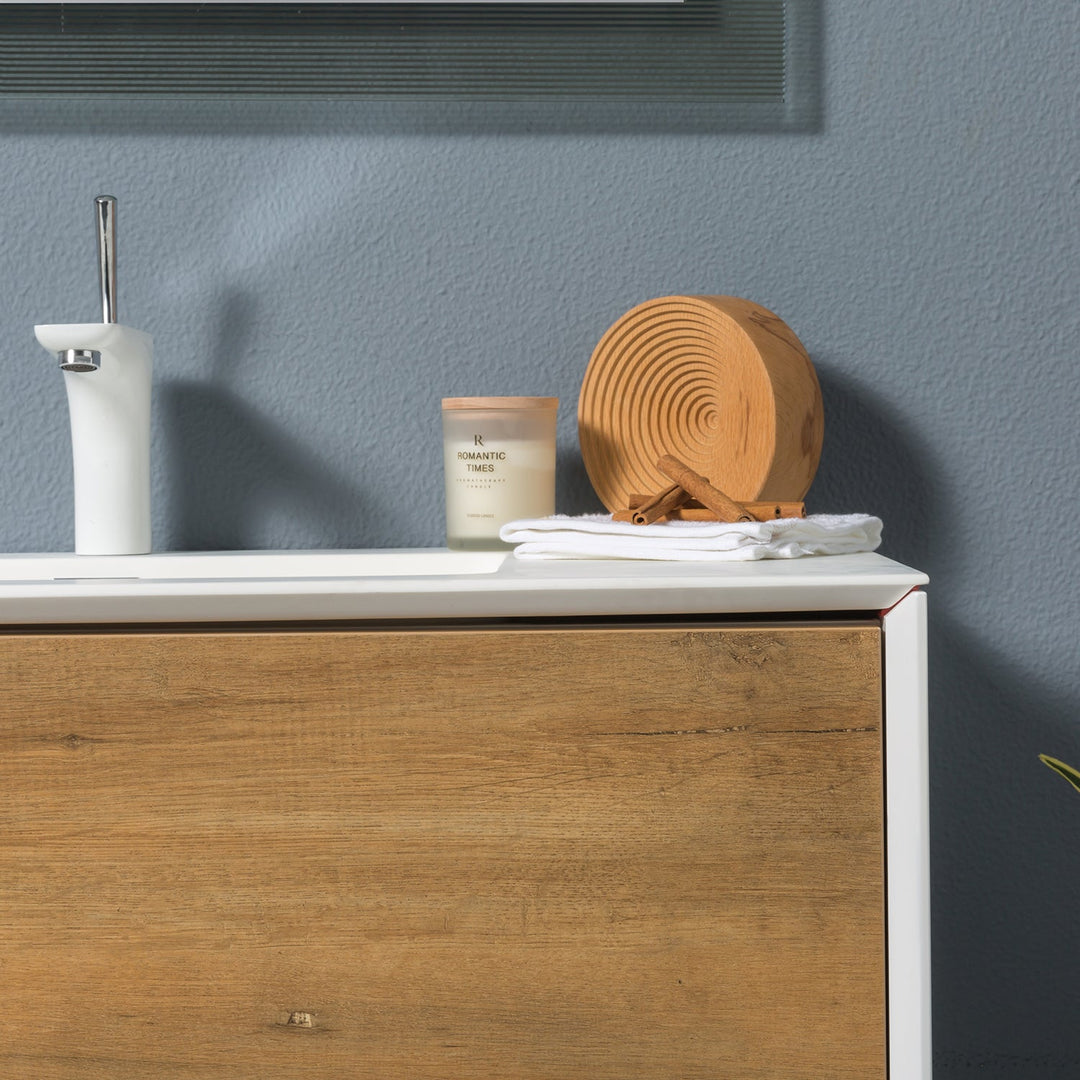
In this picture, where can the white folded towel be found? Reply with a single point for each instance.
(596, 536)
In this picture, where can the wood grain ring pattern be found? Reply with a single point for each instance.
(719, 382)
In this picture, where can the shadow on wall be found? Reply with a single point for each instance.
(574, 490)
(239, 482)
(1005, 829)
(1006, 883)
(870, 465)
(234, 468)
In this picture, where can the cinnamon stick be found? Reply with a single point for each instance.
(660, 505)
(692, 510)
(691, 513)
(726, 509)
(770, 511)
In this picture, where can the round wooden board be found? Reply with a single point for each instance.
(720, 383)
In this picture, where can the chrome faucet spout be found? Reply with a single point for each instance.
(105, 207)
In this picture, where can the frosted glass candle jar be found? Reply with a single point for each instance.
(499, 460)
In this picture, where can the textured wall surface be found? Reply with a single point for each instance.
(313, 294)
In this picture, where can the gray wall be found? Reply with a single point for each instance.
(314, 294)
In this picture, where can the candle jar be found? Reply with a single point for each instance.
(499, 463)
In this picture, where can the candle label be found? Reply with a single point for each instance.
(480, 461)
(490, 481)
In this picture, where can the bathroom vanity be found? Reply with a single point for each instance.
(476, 819)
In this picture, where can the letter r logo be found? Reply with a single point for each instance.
(478, 440)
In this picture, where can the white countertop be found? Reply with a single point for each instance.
(516, 588)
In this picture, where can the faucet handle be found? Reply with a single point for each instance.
(105, 206)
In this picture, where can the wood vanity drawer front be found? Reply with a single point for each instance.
(636, 854)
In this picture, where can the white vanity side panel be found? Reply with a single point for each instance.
(907, 810)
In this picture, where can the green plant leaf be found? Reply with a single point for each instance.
(1067, 771)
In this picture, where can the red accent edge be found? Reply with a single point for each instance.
(885, 611)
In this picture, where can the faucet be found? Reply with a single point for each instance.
(107, 375)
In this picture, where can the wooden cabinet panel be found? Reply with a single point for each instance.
(510, 853)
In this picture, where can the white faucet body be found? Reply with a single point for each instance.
(110, 435)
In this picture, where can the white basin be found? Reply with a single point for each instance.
(249, 565)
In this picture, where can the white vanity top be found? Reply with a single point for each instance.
(427, 584)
